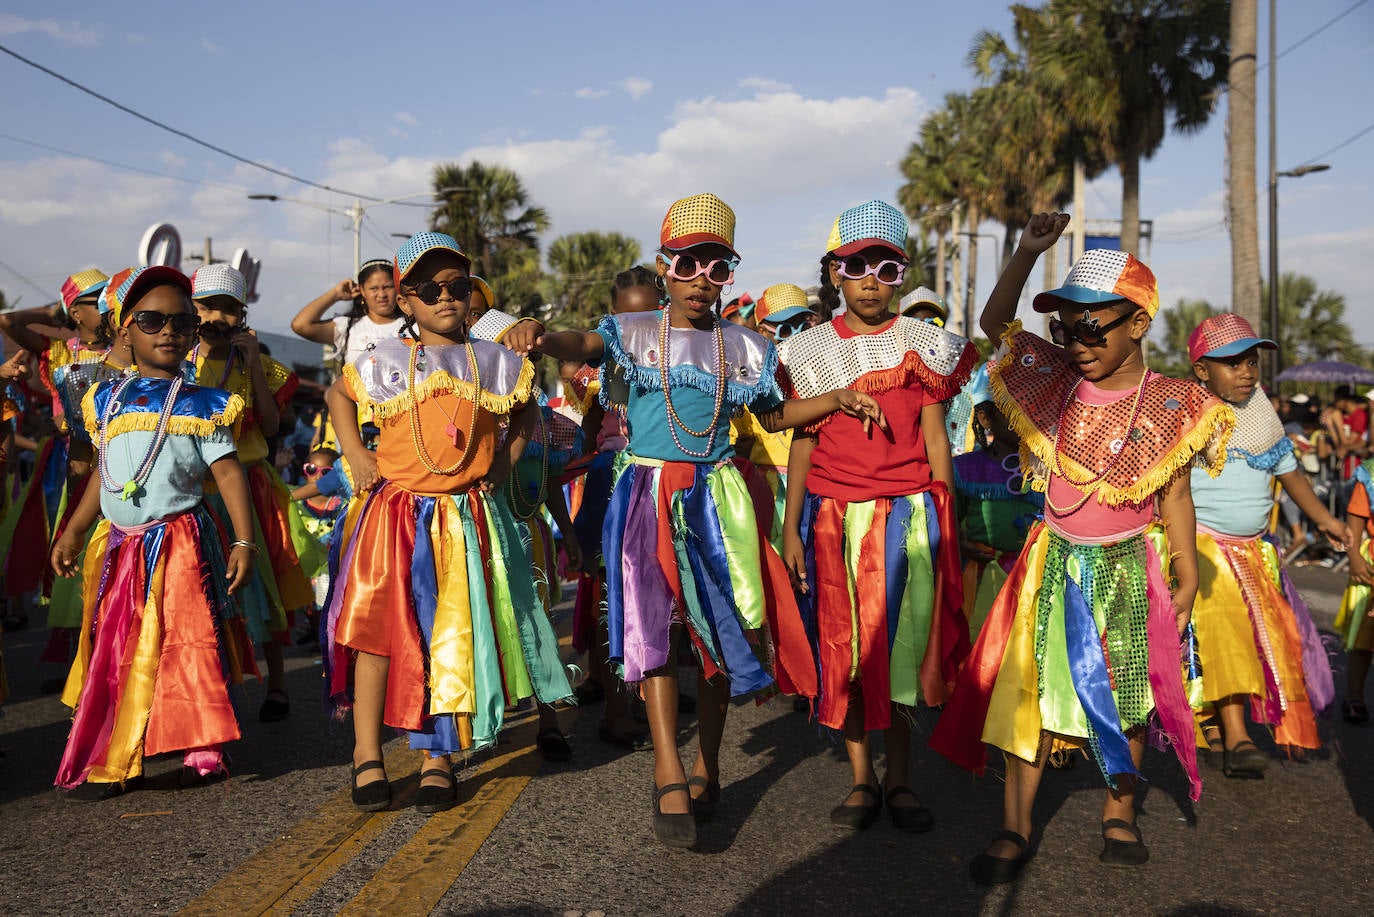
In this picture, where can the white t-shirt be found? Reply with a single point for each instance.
(364, 332)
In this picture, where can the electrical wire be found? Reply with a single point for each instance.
(41, 291)
(120, 165)
(1313, 34)
(1340, 146)
(180, 133)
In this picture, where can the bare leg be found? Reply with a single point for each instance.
(1120, 802)
(435, 770)
(1018, 798)
(1356, 671)
(276, 666)
(897, 738)
(859, 748)
(369, 696)
(713, 703)
(616, 714)
(660, 698)
(1231, 712)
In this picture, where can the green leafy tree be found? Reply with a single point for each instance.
(1166, 349)
(584, 265)
(1123, 68)
(1312, 323)
(494, 221)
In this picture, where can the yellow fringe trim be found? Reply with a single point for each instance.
(147, 420)
(1216, 423)
(442, 382)
(584, 403)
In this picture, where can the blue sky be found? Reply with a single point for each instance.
(790, 111)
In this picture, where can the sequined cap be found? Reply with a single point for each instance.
(484, 288)
(923, 296)
(782, 302)
(874, 223)
(1224, 335)
(1101, 276)
(697, 220)
(219, 280)
(82, 283)
(420, 244)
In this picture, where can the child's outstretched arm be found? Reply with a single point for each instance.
(67, 549)
(527, 336)
(343, 413)
(801, 412)
(1296, 485)
(1180, 526)
(233, 487)
(15, 326)
(306, 491)
(798, 467)
(1040, 234)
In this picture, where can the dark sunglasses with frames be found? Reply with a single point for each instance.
(1086, 331)
(427, 291)
(150, 322)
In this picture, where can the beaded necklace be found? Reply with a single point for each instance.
(1087, 486)
(414, 412)
(145, 468)
(674, 422)
(524, 511)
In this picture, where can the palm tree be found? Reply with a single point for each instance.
(1312, 322)
(1123, 67)
(1240, 157)
(491, 217)
(1167, 349)
(584, 266)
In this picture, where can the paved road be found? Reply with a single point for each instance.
(535, 838)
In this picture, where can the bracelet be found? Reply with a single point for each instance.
(251, 546)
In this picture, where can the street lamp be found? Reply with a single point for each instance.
(357, 211)
(1274, 331)
(972, 277)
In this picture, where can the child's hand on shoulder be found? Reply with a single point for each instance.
(524, 336)
(1043, 230)
(864, 407)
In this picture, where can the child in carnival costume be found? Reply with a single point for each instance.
(996, 507)
(1083, 642)
(686, 562)
(228, 357)
(11, 410)
(1355, 621)
(433, 624)
(781, 311)
(159, 647)
(1256, 647)
(869, 537)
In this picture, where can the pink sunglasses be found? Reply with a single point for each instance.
(856, 268)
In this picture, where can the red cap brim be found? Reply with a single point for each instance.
(698, 238)
(858, 245)
(153, 276)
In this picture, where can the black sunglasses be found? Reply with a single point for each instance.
(1085, 331)
(427, 291)
(150, 322)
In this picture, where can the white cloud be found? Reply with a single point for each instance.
(763, 85)
(67, 31)
(407, 118)
(636, 87)
(172, 160)
(587, 92)
(209, 47)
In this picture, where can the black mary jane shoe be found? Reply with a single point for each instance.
(913, 819)
(1123, 853)
(704, 806)
(275, 707)
(857, 818)
(553, 745)
(99, 792)
(1245, 761)
(430, 799)
(374, 796)
(674, 829)
(990, 870)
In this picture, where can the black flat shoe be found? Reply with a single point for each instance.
(553, 745)
(674, 830)
(374, 796)
(914, 819)
(1245, 761)
(1122, 853)
(431, 799)
(704, 806)
(991, 870)
(589, 692)
(275, 708)
(1354, 711)
(99, 792)
(634, 740)
(857, 818)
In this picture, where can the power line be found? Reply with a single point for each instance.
(180, 133)
(1314, 33)
(118, 165)
(1342, 145)
(41, 291)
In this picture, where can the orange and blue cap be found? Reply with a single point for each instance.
(782, 302)
(421, 244)
(1102, 276)
(1224, 335)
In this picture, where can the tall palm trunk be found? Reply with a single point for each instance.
(1130, 202)
(940, 262)
(971, 299)
(1240, 150)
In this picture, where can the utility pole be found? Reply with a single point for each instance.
(1275, 360)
